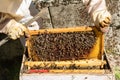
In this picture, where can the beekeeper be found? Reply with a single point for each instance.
(15, 12)
(12, 14)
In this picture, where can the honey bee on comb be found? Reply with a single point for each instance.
(62, 46)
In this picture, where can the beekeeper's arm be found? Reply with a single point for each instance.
(10, 26)
(99, 13)
(12, 14)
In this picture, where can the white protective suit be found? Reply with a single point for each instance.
(18, 10)
(99, 13)
(12, 12)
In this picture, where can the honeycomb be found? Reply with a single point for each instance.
(62, 46)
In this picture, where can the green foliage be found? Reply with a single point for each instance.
(117, 73)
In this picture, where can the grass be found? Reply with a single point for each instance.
(117, 73)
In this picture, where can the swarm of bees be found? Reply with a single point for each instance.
(62, 46)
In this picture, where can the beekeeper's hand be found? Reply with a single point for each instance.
(102, 20)
(14, 29)
(99, 13)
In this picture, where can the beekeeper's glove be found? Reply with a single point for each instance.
(99, 13)
(102, 20)
(14, 29)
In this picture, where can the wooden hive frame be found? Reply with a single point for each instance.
(95, 54)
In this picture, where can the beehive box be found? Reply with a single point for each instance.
(65, 47)
(92, 66)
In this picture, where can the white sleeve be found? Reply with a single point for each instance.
(25, 12)
(97, 9)
(95, 5)
(24, 8)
